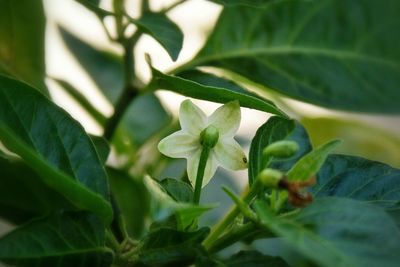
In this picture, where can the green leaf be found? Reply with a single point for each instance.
(22, 31)
(106, 71)
(276, 129)
(102, 147)
(23, 195)
(93, 5)
(360, 179)
(82, 100)
(165, 31)
(132, 199)
(310, 164)
(165, 245)
(178, 190)
(209, 79)
(252, 258)
(60, 239)
(54, 145)
(104, 68)
(359, 138)
(144, 118)
(163, 206)
(211, 93)
(334, 53)
(335, 232)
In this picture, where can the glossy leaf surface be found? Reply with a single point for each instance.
(216, 94)
(60, 239)
(23, 196)
(276, 129)
(166, 245)
(54, 145)
(360, 179)
(165, 31)
(335, 53)
(335, 232)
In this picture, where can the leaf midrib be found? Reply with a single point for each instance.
(286, 50)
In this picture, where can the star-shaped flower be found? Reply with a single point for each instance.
(186, 143)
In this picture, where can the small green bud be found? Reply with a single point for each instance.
(281, 149)
(270, 177)
(209, 136)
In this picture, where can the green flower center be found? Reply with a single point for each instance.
(209, 136)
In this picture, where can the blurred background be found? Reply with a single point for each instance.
(371, 136)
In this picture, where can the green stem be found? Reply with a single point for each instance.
(112, 240)
(145, 6)
(129, 92)
(169, 8)
(200, 173)
(220, 227)
(118, 6)
(232, 237)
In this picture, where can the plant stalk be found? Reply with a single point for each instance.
(232, 237)
(200, 173)
(129, 91)
(220, 227)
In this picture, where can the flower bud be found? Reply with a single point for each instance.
(270, 177)
(281, 149)
(209, 136)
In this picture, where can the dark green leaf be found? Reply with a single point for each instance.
(276, 129)
(23, 195)
(335, 53)
(165, 245)
(178, 190)
(102, 147)
(161, 28)
(163, 206)
(335, 232)
(253, 258)
(144, 118)
(211, 93)
(310, 164)
(60, 239)
(361, 179)
(104, 68)
(22, 30)
(215, 81)
(54, 145)
(82, 100)
(255, 3)
(93, 5)
(132, 199)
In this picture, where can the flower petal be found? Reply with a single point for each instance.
(191, 118)
(193, 165)
(226, 118)
(179, 145)
(229, 153)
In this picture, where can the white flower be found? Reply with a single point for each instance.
(186, 142)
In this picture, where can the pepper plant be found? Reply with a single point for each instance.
(72, 204)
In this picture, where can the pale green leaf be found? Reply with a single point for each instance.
(22, 35)
(310, 164)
